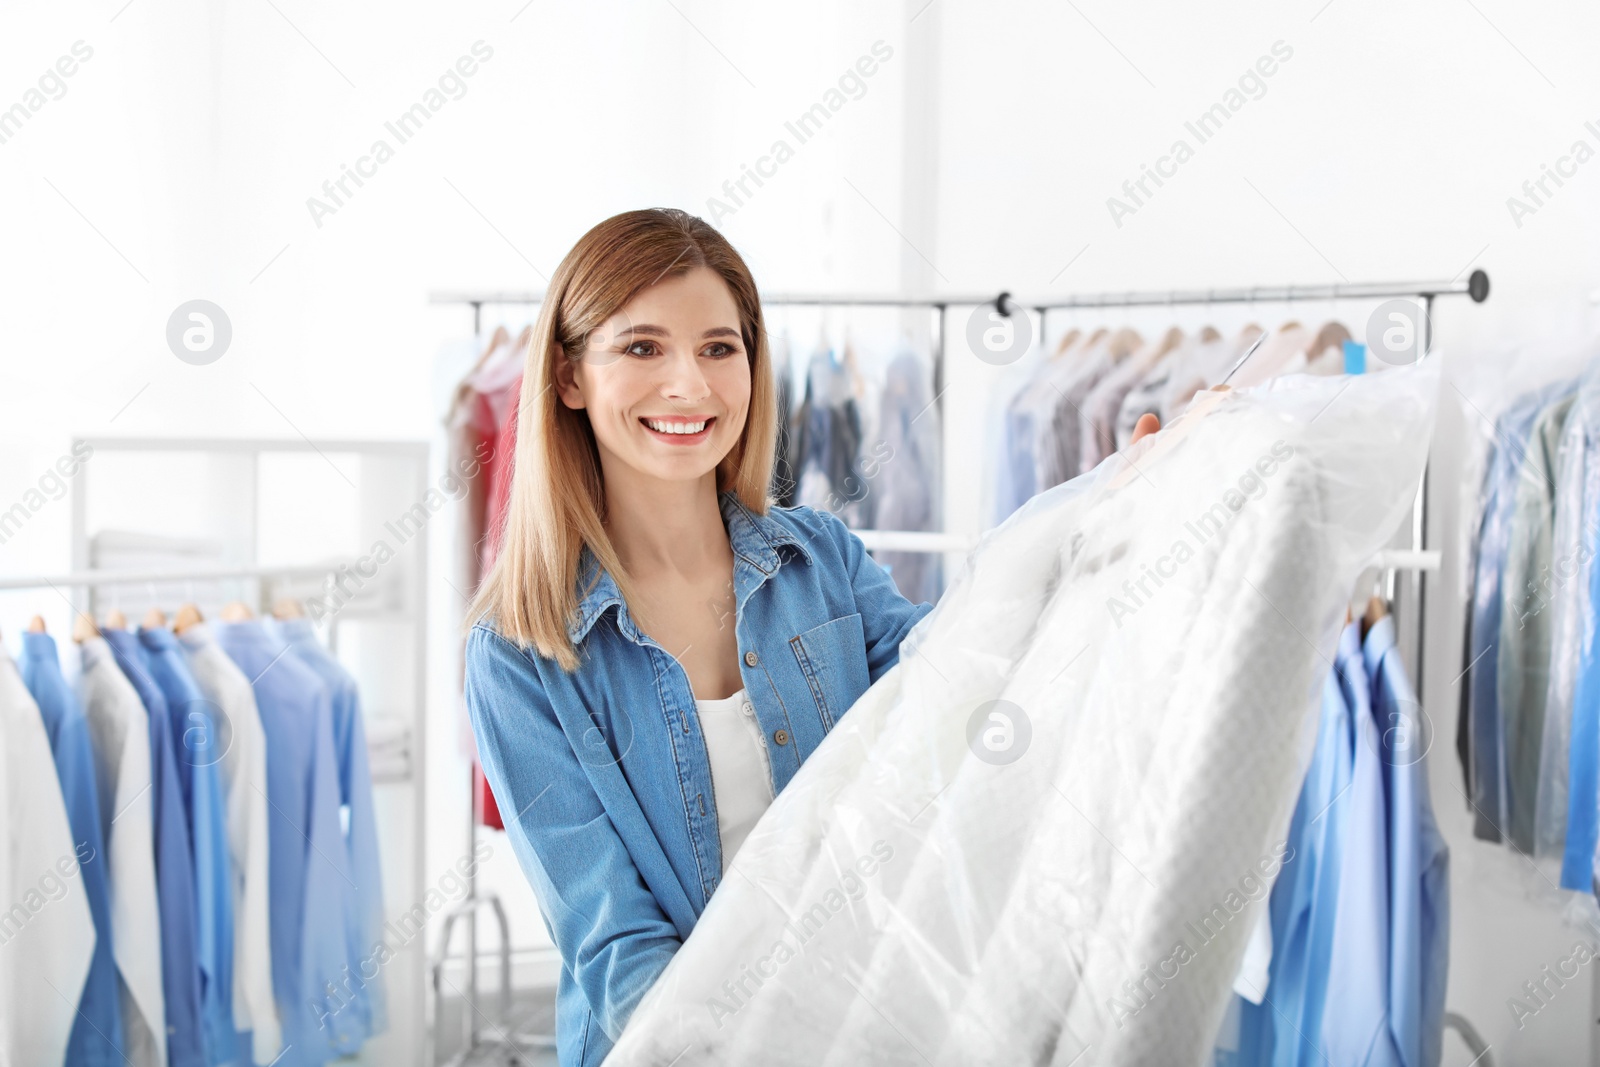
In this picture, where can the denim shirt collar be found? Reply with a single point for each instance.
(755, 540)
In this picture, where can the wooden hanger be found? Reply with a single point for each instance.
(237, 611)
(188, 615)
(154, 619)
(36, 625)
(1332, 334)
(288, 608)
(116, 619)
(1377, 608)
(1067, 340)
(1125, 342)
(83, 627)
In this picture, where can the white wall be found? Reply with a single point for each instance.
(179, 161)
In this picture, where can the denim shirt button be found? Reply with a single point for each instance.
(781, 736)
(751, 658)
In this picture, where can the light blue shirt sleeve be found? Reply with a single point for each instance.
(195, 734)
(1355, 1021)
(1419, 860)
(363, 893)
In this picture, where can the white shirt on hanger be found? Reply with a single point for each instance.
(741, 777)
(119, 733)
(46, 932)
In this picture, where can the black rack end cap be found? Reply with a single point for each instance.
(1002, 304)
(1478, 286)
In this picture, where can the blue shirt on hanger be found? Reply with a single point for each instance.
(309, 866)
(364, 893)
(96, 1038)
(175, 888)
(1419, 860)
(1355, 1018)
(197, 734)
(1284, 1029)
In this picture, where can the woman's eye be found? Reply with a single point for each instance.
(720, 350)
(649, 348)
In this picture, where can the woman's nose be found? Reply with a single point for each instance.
(682, 377)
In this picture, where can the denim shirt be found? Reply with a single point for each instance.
(602, 773)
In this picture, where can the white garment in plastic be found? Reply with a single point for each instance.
(741, 776)
(1063, 877)
(119, 733)
(244, 778)
(46, 932)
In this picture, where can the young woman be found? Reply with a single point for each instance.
(658, 647)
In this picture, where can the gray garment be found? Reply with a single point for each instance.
(1059, 458)
(1525, 625)
(904, 470)
(1566, 588)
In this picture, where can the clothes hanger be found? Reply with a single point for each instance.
(237, 611)
(1377, 608)
(1067, 341)
(36, 625)
(188, 615)
(500, 337)
(154, 619)
(288, 608)
(83, 627)
(1125, 342)
(116, 619)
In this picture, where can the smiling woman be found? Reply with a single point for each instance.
(635, 732)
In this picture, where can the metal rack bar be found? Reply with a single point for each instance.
(1476, 285)
(96, 579)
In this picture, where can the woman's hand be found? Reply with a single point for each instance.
(1147, 425)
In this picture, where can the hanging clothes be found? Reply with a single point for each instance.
(1355, 1020)
(244, 781)
(906, 473)
(1304, 900)
(175, 878)
(1524, 646)
(119, 732)
(1419, 861)
(363, 892)
(97, 1030)
(785, 467)
(1481, 699)
(196, 737)
(981, 912)
(309, 865)
(48, 940)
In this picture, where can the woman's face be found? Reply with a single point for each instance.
(666, 380)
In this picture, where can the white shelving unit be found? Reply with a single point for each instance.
(342, 497)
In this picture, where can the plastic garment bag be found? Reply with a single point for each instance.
(1038, 839)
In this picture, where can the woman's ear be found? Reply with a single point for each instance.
(567, 385)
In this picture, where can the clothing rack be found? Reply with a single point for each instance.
(1415, 560)
(392, 476)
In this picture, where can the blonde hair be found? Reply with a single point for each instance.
(557, 502)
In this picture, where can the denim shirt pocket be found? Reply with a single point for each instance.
(833, 658)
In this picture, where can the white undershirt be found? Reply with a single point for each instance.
(741, 776)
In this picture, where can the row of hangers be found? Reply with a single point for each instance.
(1283, 345)
(85, 627)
